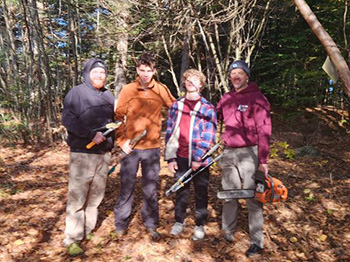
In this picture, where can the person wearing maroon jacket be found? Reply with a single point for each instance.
(245, 112)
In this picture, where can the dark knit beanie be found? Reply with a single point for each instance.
(99, 64)
(239, 64)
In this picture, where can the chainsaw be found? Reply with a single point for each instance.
(268, 190)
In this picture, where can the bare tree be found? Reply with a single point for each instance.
(327, 41)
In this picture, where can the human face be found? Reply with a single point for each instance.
(193, 84)
(98, 77)
(145, 73)
(239, 79)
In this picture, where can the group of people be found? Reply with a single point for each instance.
(191, 131)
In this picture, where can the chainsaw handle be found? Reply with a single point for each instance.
(284, 195)
(90, 145)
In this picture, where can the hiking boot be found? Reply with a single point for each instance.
(229, 236)
(198, 233)
(253, 250)
(89, 236)
(153, 233)
(68, 241)
(177, 229)
(74, 250)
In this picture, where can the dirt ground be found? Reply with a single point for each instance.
(312, 225)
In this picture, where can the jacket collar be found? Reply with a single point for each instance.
(141, 88)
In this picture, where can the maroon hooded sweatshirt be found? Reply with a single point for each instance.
(247, 120)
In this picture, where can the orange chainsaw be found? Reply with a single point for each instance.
(268, 190)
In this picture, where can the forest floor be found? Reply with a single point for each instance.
(312, 225)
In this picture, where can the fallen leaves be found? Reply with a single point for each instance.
(310, 226)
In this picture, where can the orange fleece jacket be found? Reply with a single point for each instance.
(140, 108)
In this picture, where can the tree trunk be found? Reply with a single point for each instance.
(122, 47)
(328, 43)
(185, 54)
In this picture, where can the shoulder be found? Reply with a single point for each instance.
(129, 88)
(109, 95)
(79, 89)
(226, 96)
(178, 101)
(161, 85)
(206, 102)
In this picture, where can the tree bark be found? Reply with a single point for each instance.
(122, 47)
(328, 43)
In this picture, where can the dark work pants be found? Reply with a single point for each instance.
(200, 182)
(150, 166)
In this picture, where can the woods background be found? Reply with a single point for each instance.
(43, 45)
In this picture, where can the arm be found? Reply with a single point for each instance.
(171, 122)
(166, 95)
(207, 134)
(119, 115)
(263, 127)
(219, 111)
(70, 116)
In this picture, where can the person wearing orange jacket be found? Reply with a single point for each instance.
(140, 104)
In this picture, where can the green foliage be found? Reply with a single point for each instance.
(321, 163)
(291, 116)
(289, 64)
(281, 149)
(7, 189)
(309, 195)
(11, 129)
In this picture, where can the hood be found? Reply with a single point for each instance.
(87, 68)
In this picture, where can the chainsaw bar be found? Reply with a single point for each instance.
(236, 194)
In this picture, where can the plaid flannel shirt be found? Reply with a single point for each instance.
(204, 129)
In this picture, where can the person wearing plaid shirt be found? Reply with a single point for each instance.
(191, 132)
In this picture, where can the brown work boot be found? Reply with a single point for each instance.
(229, 236)
(153, 233)
(253, 251)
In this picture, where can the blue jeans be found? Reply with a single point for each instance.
(150, 166)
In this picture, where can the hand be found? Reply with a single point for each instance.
(172, 166)
(263, 168)
(196, 165)
(126, 147)
(98, 138)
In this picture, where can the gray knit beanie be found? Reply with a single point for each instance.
(239, 64)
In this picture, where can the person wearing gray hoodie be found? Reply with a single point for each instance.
(86, 108)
